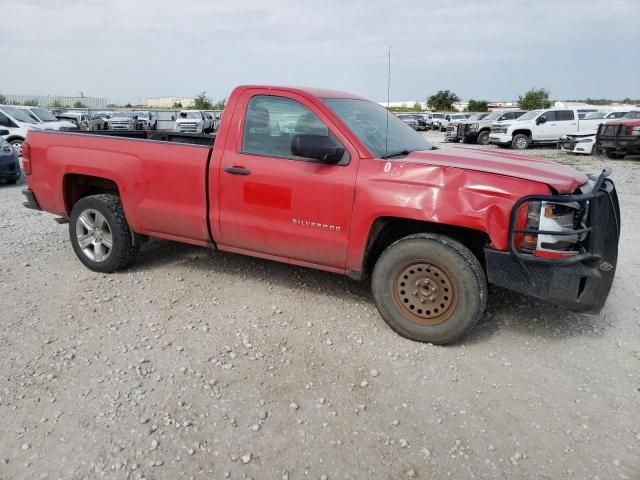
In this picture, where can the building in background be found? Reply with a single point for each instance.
(170, 102)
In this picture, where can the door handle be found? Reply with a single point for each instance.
(237, 170)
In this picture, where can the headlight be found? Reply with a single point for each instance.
(585, 140)
(474, 127)
(560, 221)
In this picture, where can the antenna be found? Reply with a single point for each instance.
(386, 136)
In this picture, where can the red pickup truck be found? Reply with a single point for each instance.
(332, 181)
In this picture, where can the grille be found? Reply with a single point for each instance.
(609, 130)
(119, 125)
(188, 127)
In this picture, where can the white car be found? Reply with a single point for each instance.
(45, 117)
(18, 123)
(583, 143)
(194, 121)
(545, 126)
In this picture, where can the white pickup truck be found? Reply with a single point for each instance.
(539, 127)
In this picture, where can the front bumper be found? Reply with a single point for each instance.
(501, 138)
(580, 283)
(627, 143)
(576, 145)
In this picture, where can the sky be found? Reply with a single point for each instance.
(128, 50)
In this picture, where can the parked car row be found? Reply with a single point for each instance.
(616, 138)
(571, 129)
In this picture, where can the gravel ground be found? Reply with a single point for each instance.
(201, 365)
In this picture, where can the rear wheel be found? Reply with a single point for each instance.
(100, 234)
(483, 138)
(520, 142)
(429, 288)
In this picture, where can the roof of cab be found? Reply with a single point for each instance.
(306, 91)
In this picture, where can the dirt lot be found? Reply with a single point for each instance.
(201, 365)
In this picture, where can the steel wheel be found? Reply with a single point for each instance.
(424, 293)
(93, 233)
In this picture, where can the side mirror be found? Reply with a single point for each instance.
(317, 147)
(541, 119)
(4, 132)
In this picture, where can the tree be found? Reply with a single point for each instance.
(203, 102)
(177, 105)
(534, 99)
(478, 106)
(32, 102)
(417, 107)
(3, 99)
(56, 104)
(79, 104)
(220, 104)
(443, 100)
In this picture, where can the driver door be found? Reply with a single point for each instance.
(275, 203)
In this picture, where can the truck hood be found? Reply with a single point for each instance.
(560, 178)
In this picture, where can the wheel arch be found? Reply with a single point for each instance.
(386, 230)
(523, 131)
(76, 186)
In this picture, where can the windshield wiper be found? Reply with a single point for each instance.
(396, 154)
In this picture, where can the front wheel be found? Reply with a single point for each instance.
(100, 234)
(614, 155)
(483, 138)
(520, 142)
(429, 288)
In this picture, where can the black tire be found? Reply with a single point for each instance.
(16, 143)
(483, 138)
(455, 262)
(520, 142)
(614, 155)
(125, 245)
(12, 181)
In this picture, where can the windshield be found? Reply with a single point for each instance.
(43, 115)
(18, 114)
(494, 116)
(458, 117)
(633, 114)
(595, 115)
(478, 116)
(195, 115)
(368, 121)
(530, 115)
(142, 114)
(121, 114)
(437, 115)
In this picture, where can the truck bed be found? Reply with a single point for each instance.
(203, 139)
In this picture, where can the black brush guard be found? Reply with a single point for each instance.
(581, 282)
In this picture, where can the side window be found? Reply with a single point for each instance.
(551, 116)
(4, 120)
(273, 124)
(564, 115)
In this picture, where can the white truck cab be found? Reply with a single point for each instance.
(544, 126)
(194, 121)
